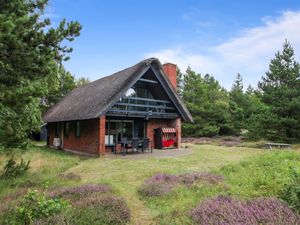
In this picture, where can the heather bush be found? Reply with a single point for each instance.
(75, 193)
(107, 209)
(230, 211)
(64, 218)
(208, 178)
(291, 192)
(95, 209)
(161, 184)
(162, 178)
(155, 189)
(91, 204)
(158, 185)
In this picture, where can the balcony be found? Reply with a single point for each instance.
(143, 107)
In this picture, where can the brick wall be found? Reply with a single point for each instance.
(101, 133)
(177, 124)
(158, 123)
(171, 71)
(86, 143)
(94, 130)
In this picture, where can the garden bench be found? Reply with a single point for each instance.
(278, 145)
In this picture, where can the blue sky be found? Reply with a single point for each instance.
(217, 37)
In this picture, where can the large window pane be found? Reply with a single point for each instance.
(127, 129)
(139, 129)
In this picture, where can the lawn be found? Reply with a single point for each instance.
(127, 175)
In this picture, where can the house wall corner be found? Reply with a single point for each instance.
(101, 136)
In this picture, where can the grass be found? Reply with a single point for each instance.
(126, 175)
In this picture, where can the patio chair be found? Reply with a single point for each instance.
(145, 145)
(125, 145)
(135, 144)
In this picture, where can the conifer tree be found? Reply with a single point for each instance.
(280, 89)
(31, 53)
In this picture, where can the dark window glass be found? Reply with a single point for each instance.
(115, 132)
(107, 127)
(139, 129)
(57, 129)
(127, 130)
(77, 128)
(141, 92)
(66, 129)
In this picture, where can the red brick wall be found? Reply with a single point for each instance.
(101, 133)
(177, 124)
(171, 71)
(94, 130)
(86, 143)
(158, 123)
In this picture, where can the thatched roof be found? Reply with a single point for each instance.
(96, 98)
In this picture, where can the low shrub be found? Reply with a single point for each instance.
(209, 178)
(103, 210)
(95, 209)
(162, 178)
(291, 192)
(75, 193)
(161, 183)
(91, 204)
(35, 205)
(229, 211)
(155, 189)
(12, 169)
(158, 185)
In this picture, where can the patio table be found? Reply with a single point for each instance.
(123, 144)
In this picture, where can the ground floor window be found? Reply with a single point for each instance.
(116, 130)
(77, 129)
(66, 129)
(57, 129)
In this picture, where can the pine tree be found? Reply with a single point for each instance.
(281, 93)
(238, 84)
(238, 104)
(179, 82)
(208, 103)
(31, 52)
(250, 90)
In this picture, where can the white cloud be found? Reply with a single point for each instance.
(248, 53)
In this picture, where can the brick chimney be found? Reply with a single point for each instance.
(171, 71)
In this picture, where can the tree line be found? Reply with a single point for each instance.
(269, 111)
(32, 78)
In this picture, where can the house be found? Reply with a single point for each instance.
(131, 103)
